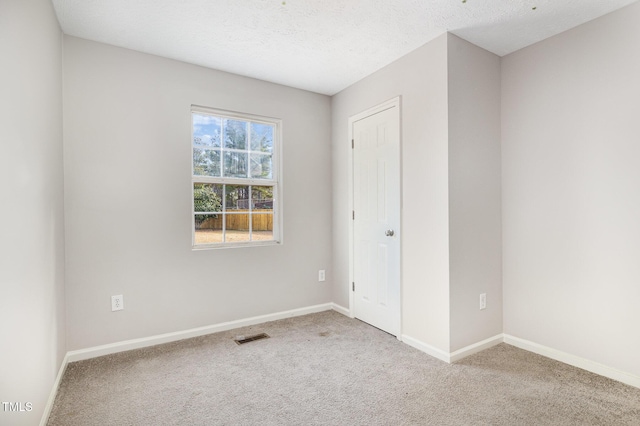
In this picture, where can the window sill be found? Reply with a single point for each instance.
(217, 246)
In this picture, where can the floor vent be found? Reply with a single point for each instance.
(242, 340)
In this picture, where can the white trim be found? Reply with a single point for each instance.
(456, 355)
(235, 115)
(341, 310)
(391, 103)
(54, 391)
(143, 342)
(569, 359)
(426, 348)
(240, 244)
(475, 348)
(576, 361)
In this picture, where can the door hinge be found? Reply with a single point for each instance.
(352, 144)
(353, 286)
(353, 215)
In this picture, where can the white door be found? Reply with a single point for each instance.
(376, 220)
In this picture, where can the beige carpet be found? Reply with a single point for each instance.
(327, 369)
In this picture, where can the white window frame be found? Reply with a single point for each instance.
(275, 181)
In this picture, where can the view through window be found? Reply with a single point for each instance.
(235, 178)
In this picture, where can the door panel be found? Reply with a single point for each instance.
(376, 198)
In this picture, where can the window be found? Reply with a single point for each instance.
(235, 179)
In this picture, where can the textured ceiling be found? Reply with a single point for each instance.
(318, 45)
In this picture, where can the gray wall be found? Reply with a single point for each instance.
(571, 191)
(127, 198)
(475, 239)
(421, 79)
(31, 216)
(451, 240)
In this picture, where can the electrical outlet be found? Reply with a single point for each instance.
(321, 275)
(483, 301)
(117, 303)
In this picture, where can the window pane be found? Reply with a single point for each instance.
(207, 197)
(262, 197)
(208, 228)
(206, 130)
(262, 137)
(237, 227)
(261, 166)
(262, 227)
(229, 156)
(235, 164)
(206, 162)
(235, 134)
(237, 197)
(236, 236)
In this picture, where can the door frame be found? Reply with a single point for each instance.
(391, 103)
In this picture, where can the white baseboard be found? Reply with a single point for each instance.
(450, 357)
(54, 391)
(426, 348)
(341, 309)
(475, 348)
(576, 361)
(143, 342)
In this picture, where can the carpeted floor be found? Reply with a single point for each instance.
(327, 369)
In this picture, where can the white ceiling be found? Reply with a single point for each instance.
(317, 45)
